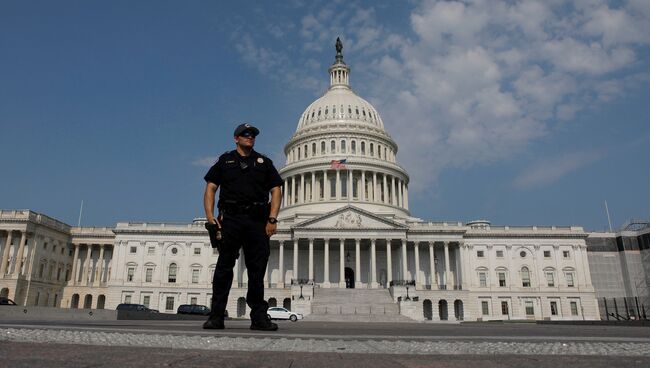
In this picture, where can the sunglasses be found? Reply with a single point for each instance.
(247, 135)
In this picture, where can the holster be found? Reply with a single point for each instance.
(216, 235)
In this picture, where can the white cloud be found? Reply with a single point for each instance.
(205, 161)
(474, 82)
(548, 171)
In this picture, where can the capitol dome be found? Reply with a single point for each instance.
(341, 155)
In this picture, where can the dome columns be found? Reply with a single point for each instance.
(351, 185)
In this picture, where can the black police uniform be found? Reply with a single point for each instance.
(244, 184)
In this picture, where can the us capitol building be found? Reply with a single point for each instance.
(347, 246)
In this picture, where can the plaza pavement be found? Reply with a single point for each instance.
(71, 343)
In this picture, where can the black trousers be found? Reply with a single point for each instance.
(242, 230)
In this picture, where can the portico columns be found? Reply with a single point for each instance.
(86, 269)
(404, 263)
(311, 258)
(373, 264)
(432, 266)
(447, 266)
(393, 198)
(326, 264)
(342, 263)
(416, 246)
(100, 265)
(281, 264)
(21, 249)
(293, 190)
(389, 264)
(5, 254)
(357, 265)
(362, 195)
(74, 263)
(235, 278)
(295, 259)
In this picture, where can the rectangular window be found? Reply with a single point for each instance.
(482, 277)
(127, 299)
(566, 254)
(499, 254)
(148, 275)
(479, 254)
(145, 300)
(195, 276)
(41, 269)
(502, 279)
(151, 251)
(197, 251)
(193, 300)
(129, 275)
(485, 307)
(169, 303)
(547, 254)
(569, 279)
(58, 274)
(44, 245)
(550, 281)
(133, 250)
(530, 309)
(504, 308)
(574, 308)
(554, 308)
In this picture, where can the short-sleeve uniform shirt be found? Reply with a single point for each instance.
(244, 179)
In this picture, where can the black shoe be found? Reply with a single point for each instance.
(213, 324)
(264, 325)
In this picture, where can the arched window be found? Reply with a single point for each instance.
(322, 147)
(313, 149)
(343, 146)
(353, 147)
(305, 151)
(332, 147)
(372, 150)
(525, 277)
(363, 148)
(298, 153)
(173, 269)
(379, 150)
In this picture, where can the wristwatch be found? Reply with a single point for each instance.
(273, 220)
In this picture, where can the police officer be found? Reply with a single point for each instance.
(247, 220)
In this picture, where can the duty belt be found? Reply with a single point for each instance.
(238, 207)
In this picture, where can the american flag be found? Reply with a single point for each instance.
(338, 164)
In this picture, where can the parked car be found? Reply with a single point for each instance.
(134, 308)
(283, 313)
(193, 309)
(6, 301)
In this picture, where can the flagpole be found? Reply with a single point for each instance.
(80, 211)
(609, 220)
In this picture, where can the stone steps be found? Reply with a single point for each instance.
(361, 305)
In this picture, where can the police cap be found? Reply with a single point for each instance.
(244, 127)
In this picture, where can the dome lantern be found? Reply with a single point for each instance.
(339, 72)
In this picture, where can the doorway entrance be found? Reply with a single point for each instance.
(349, 278)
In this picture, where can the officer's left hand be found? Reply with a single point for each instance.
(270, 229)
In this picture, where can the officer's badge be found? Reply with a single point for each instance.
(260, 160)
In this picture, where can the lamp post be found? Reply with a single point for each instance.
(301, 297)
(407, 293)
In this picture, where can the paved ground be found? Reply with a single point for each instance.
(320, 344)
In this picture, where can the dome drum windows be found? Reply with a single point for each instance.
(343, 146)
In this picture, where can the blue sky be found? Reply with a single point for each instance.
(517, 112)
